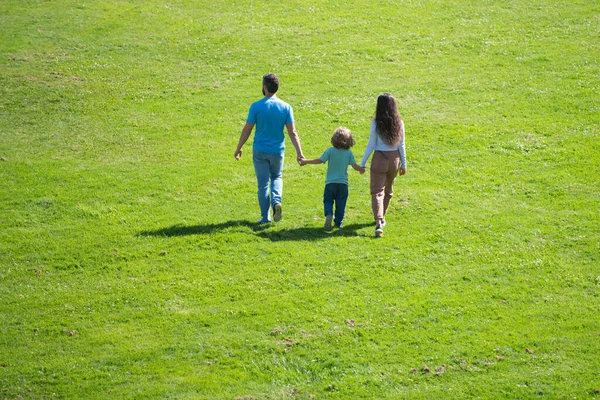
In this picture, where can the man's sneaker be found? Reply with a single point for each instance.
(277, 212)
(379, 230)
(328, 220)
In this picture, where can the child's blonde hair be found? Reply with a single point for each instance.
(342, 138)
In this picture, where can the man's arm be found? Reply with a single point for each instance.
(246, 131)
(291, 128)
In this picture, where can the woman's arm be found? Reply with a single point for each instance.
(402, 151)
(370, 145)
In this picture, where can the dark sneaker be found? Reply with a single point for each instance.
(328, 220)
(277, 212)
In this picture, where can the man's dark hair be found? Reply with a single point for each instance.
(272, 82)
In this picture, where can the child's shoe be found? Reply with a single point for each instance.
(328, 219)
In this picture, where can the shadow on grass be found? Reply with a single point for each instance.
(311, 233)
(308, 233)
(187, 230)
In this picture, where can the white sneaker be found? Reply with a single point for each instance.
(277, 212)
(379, 231)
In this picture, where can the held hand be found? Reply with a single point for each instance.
(401, 171)
(362, 170)
(238, 154)
(300, 159)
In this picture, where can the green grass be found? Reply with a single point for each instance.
(130, 263)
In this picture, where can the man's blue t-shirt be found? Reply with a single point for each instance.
(270, 115)
(337, 167)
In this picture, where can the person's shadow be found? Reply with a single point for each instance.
(261, 230)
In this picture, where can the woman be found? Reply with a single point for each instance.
(387, 140)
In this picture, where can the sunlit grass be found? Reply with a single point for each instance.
(130, 263)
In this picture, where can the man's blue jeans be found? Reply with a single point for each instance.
(268, 169)
(338, 193)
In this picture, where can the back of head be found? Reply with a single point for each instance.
(342, 138)
(271, 81)
(387, 119)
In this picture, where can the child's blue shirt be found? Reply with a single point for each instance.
(337, 164)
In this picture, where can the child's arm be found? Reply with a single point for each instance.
(358, 168)
(312, 161)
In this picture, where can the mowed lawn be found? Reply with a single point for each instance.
(131, 264)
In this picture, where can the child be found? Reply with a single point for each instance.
(336, 182)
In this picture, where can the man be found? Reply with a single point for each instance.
(269, 115)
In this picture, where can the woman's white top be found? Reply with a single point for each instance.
(375, 143)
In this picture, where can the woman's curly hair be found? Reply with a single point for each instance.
(342, 138)
(388, 121)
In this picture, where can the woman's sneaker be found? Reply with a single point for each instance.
(379, 230)
(328, 220)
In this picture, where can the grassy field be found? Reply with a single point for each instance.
(130, 262)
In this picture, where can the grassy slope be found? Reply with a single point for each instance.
(125, 218)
